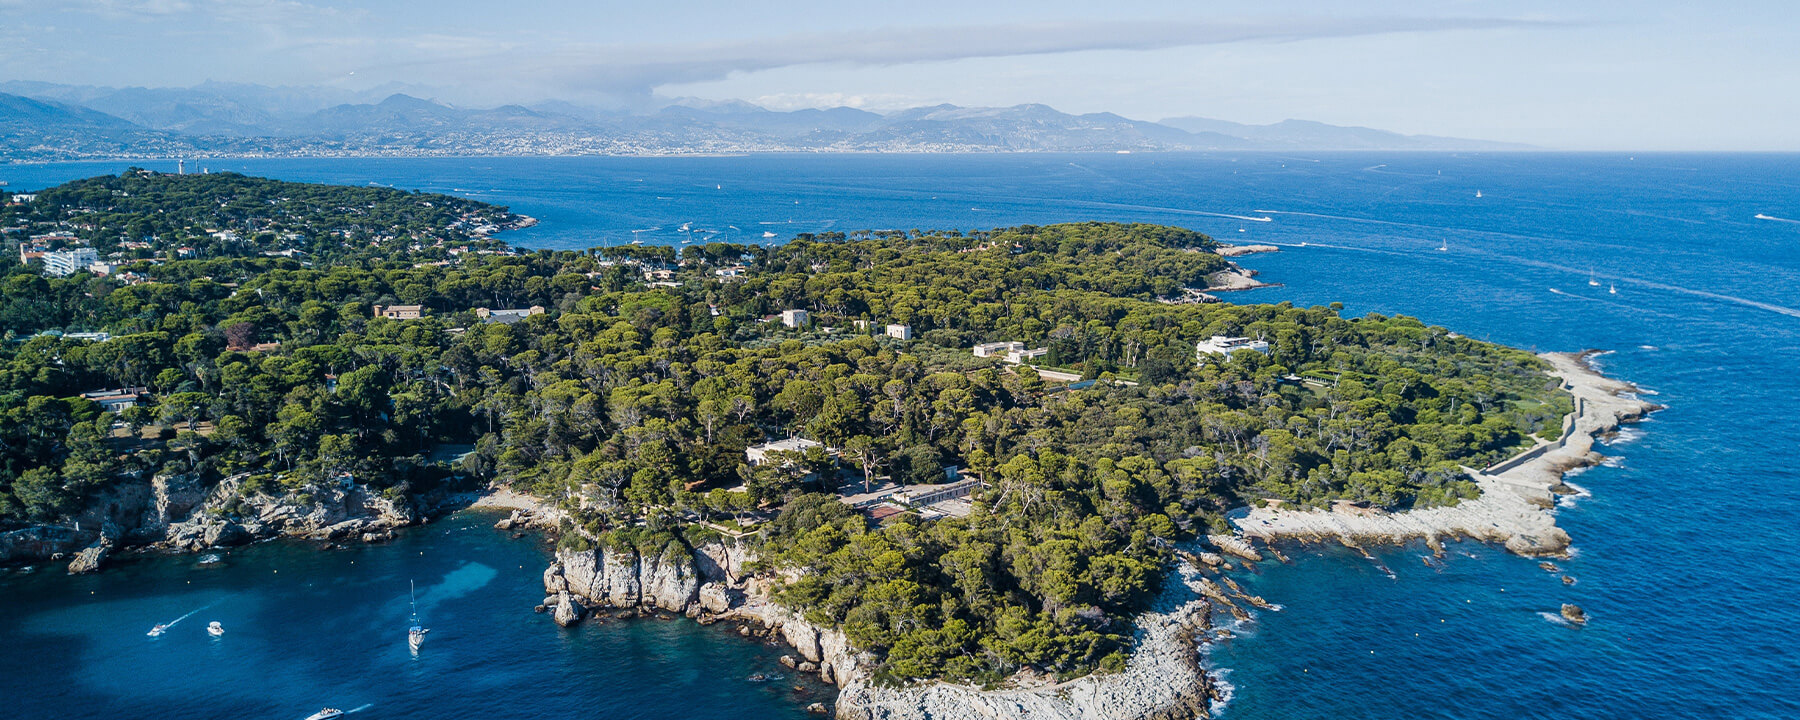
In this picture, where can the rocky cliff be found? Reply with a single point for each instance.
(1164, 679)
(178, 512)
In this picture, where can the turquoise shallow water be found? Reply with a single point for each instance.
(1683, 556)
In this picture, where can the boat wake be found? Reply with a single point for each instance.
(1761, 216)
(164, 627)
(1556, 619)
(359, 708)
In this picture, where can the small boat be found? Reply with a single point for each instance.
(1477, 193)
(326, 714)
(768, 234)
(1444, 247)
(686, 226)
(158, 630)
(415, 635)
(1612, 289)
(1591, 281)
(215, 629)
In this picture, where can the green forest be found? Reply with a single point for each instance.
(633, 401)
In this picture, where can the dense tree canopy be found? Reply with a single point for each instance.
(634, 402)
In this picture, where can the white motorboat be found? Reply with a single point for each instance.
(326, 714)
(157, 631)
(215, 629)
(768, 234)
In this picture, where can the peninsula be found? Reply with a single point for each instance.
(992, 474)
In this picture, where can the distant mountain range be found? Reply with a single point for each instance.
(42, 121)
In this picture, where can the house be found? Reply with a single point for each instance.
(508, 317)
(759, 454)
(63, 263)
(1222, 345)
(998, 349)
(23, 197)
(929, 494)
(88, 336)
(399, 312)
(104, 268)
(795, 318)
(734, 272)
(1023, 356)
(659, 274)
(118, 399)
(28, 253)
(900, 332)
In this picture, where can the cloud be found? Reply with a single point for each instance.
(638, 70)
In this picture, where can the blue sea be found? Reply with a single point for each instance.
(1683, 556)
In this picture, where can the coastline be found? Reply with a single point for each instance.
(1517, 494)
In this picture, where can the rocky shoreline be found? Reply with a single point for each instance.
(178, 513)
(1517, 495)
(1165, 677)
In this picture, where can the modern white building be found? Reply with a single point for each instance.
(1222, 345)
(1023, 355)
(795, 318)
(900, 332)
(63, 263)
(759, 454)
(997, 349)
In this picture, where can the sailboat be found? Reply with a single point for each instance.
(1445, 247)
(1612, 289)
(415, 635)
(1591, 281)
(1477, 193)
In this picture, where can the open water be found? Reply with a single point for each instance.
(1684, 548)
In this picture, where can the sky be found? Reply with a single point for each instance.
(1642, 75)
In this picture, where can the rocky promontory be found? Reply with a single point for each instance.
(178, 512)
(1517, 495)
(1163, 679)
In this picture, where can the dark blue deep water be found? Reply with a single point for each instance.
(1684, 557)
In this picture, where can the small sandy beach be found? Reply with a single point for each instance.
(1516, 495)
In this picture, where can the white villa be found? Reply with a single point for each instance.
(1222, 345)
(758, 454)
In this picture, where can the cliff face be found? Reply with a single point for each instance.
(1164, 679)
(178, 512)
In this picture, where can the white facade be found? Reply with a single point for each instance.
(998, 349)
(900, 332)
(1022, 355)
(62, 263)
(1222, 345)
(759, 454)
(795, 318)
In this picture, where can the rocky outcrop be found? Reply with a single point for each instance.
(40, 543)
(90, 558)
(176, 511)
(1574, 614)
(568, 610)
(667, 577)
(1163, 680)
